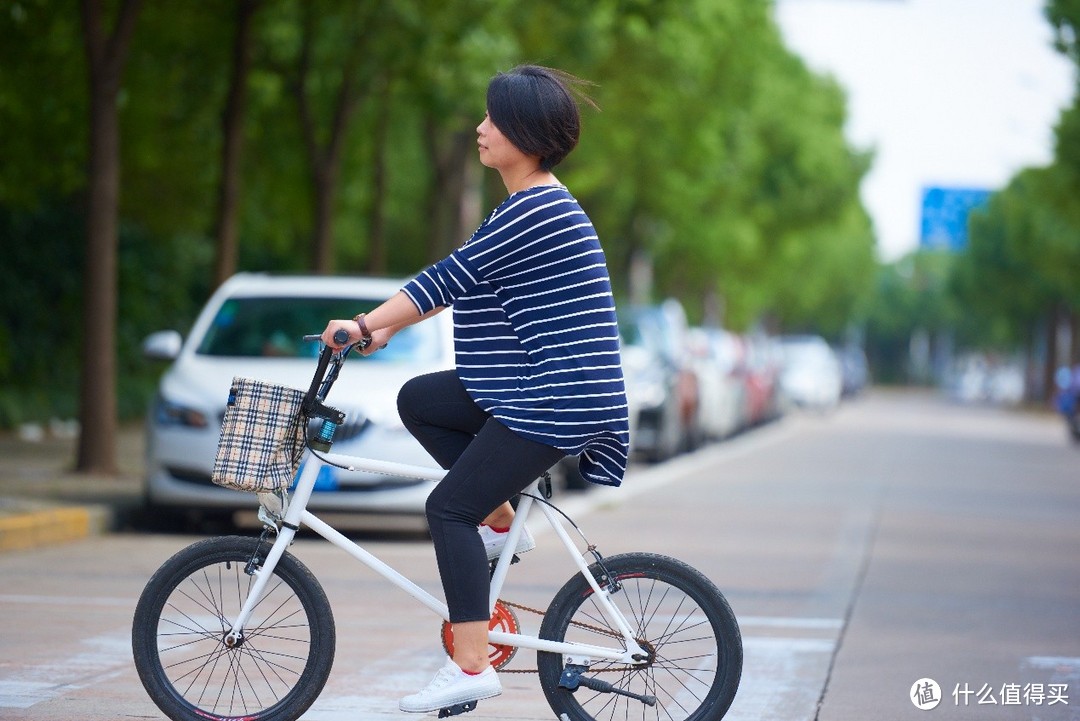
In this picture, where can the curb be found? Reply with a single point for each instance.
(52, 525)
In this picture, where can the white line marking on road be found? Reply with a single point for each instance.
(1052, 662)
(787, 647)
(68, 600)
(823, 624)
(782, 678)
(106, 657)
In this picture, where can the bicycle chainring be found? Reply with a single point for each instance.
(503, 619)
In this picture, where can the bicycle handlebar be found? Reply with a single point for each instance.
(326, 372)
(330, 362)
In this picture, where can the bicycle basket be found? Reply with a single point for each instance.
(262, 437)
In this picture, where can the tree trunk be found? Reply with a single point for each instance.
(325, 162)
(453, 205)
(226, 230)
(1074, 325)
(322, 247)
(377, 253)
(97, 395)
(1053, 323)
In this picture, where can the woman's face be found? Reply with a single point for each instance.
(496, 151)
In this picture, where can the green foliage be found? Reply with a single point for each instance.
(41, 296)
(716, 154)
(43, 105)
(1023, 258)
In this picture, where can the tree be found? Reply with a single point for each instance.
(226, 225)
(106, 53)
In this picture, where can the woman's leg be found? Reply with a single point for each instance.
(494, 467)
(440, 414)
(488, 465)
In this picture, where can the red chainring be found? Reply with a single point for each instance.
(503, 619)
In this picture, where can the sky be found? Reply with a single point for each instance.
(948, 93)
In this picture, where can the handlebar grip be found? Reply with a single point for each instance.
(341, 336)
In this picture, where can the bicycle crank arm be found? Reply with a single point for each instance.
(574, 676)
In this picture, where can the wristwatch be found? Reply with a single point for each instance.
(365, 334)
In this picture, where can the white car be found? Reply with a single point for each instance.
(811, 375)
(715, 355)
(253, 326)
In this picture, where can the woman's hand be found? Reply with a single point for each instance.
(379, 338)
(382, 322)
(349, 326)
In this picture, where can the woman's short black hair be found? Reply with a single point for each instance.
(534, 108)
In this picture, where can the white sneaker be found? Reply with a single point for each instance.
(495, 542)
(452, 686)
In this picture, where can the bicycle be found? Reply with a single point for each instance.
(238, 627)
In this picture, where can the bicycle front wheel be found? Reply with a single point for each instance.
(677, 615)
(282, 661)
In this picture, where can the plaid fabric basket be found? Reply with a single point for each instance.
(262, 437)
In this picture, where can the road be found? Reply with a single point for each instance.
(901, 538)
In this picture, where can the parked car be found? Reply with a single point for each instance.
(659, 381)
(253, 326)
(717, 358)
(764, 361)
(655, 428)
(811, 376)
(854, 370)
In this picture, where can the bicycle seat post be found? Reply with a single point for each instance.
(502, 568)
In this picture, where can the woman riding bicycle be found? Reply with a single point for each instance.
(538, 373)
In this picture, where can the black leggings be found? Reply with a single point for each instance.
(487, 465)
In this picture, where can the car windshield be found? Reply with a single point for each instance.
(275, 327)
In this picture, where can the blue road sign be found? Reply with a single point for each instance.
(945, 216)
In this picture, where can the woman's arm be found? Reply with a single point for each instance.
(383, 322)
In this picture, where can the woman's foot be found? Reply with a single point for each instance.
(495, 541)
(452, 686)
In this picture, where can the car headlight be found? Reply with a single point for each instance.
(167, 413)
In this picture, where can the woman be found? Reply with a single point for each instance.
(538, 373)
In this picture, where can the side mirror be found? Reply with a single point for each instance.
(164, 345)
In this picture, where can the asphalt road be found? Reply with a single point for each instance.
(901, 538)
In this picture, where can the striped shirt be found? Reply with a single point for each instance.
(535, 336)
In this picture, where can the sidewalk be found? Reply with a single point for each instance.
(43, 502)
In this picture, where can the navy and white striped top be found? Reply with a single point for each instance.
(535, 335)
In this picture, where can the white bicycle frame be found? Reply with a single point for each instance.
(297, 514)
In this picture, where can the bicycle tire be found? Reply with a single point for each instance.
(184, 613)
(678, 614)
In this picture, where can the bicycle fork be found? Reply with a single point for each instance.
(261, 572)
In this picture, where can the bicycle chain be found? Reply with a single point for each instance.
(597, 629)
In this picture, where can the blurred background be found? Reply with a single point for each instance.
(738, 173)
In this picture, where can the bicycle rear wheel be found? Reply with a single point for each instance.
(677, 614)
(178, 636)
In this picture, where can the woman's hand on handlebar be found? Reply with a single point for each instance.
(379, 338)
(332, 329)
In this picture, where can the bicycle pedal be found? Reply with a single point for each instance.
(495, 561)
(458, 708)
